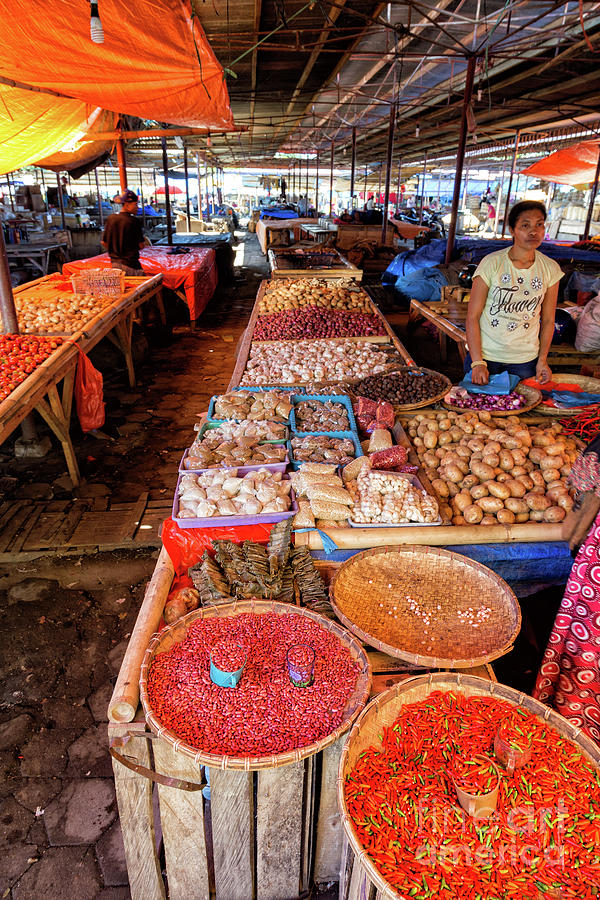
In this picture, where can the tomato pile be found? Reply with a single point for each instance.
(20, 354)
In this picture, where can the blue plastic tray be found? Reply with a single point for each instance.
(211, 408)
(322, 398)
(334, 434)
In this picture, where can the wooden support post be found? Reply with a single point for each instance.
(122, 164)
(165, 161)
(199, 177)
(388, 172)
(142, 199)
(588, 219)
(331, 182)
(353, 167)
(460, 156)
(423, 189)
(306, 192)
(61, 202)
(187, 188)
(8, 311)
(399, 183)
(100, 210)
(510, 181)
(317, 187)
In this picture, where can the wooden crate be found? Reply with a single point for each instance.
(266, 835)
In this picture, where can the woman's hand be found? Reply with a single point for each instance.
(480, 375)
(543, 372)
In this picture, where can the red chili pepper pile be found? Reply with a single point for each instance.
(265, 714)
(544, 833)
(475, 775)
(585, 425)
(20, 354)
(228, 657)
(513, 734)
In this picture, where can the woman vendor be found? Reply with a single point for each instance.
(569, 676)
(510, 319)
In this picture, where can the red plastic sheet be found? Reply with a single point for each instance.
(573, 165)
(185, 546)
(195, 271)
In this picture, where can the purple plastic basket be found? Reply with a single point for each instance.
(272, 467)
(228, 521)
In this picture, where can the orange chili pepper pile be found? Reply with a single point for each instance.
(544, 834)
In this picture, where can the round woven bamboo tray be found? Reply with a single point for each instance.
(533, 397)
(430, 400)
(176, 632)
(591, 385)
(382, 711)
(374, 594)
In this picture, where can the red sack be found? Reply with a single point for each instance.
(384, 416)
(185, 546)
(88, 394)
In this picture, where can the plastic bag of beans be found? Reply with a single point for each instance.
(389, 459)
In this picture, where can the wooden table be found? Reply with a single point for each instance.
(36, 254)
(245, 343)
(285, 263)
(266, 228)
(40, 390)
(450, 316)
(318, 233)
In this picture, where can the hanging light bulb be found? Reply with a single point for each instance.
(96, 30)
(479, 95)
(209, 141)
(417, 131)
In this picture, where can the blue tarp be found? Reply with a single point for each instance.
(526, 568)
(421, 284)
(276, 213)
(472, 250)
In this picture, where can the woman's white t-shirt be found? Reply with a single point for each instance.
(510, 321)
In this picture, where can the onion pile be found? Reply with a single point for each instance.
(316, 323)
(300, 362)
(66, 313)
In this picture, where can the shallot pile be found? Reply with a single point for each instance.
(304, 361)
(295, 324)
(463, 399)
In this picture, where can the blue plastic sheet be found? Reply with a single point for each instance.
(503, 383)
(431, 254)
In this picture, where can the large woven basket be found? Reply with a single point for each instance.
(374, 594)
(591, 385)
(422, 403)
(176, 632)
(382, 711)
(533, 397)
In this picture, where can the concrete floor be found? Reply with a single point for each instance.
(65, 621)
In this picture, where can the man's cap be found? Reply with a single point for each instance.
(129, 197)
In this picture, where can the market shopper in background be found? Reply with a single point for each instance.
(510, 319)
(123, 236)
(569, 677)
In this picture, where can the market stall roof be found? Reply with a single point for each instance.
(308, 72)
(155, 63)
(573, 165)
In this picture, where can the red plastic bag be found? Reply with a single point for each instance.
(185, 546)
(390, 458)
(89, 394)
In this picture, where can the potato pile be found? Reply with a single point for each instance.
(284, 293)
(487, 471)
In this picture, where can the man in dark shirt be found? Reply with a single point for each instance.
(123, 236)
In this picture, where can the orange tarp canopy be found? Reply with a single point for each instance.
(155, 63)
(572, 165)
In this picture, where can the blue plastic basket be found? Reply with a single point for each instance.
(322, 398)
(334, 434)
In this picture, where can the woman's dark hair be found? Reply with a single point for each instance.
(524, 206)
